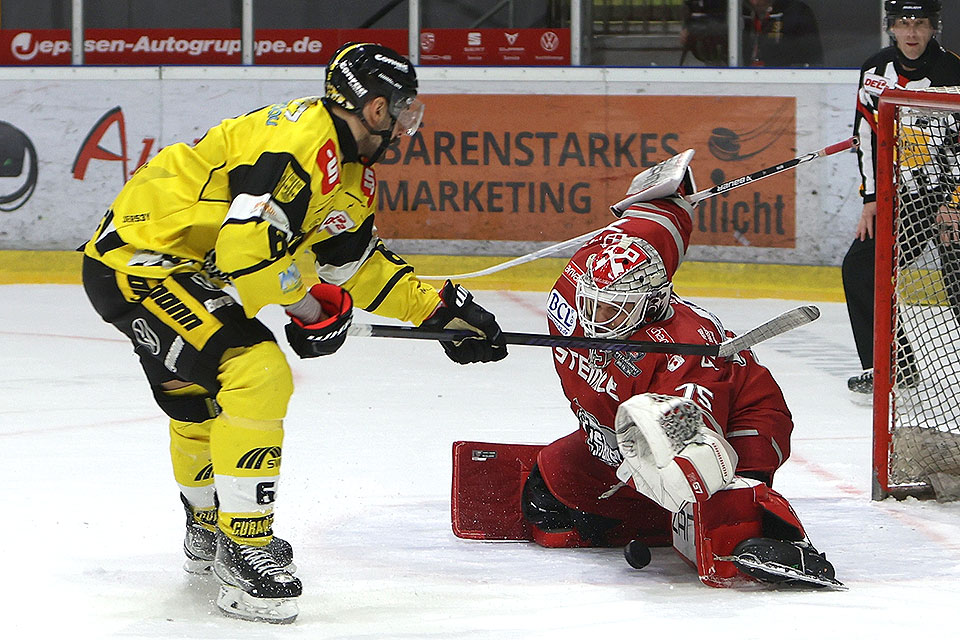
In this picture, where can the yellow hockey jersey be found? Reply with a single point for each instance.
(250, 195)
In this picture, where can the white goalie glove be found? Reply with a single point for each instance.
(669, 453)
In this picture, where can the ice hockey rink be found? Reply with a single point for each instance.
(94, 525)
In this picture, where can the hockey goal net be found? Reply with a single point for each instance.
(917, 320)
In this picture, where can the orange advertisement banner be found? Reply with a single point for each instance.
(547, 167)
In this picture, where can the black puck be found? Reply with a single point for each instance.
(637, 554)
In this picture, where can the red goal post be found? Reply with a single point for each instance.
(916, 404)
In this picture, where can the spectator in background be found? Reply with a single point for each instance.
(776, 33)
(704, 32)
(780, 33)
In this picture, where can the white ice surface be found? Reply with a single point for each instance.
(93, 526)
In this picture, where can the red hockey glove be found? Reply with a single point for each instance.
(324, 336)
(457, 310)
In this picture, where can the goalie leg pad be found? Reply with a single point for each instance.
(707, 534)
(488, 491)
(566, 539)
(704, 530)
(499, 494)
(488, 480)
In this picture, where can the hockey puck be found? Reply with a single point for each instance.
(637, 554)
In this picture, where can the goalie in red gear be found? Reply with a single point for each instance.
(670, 448)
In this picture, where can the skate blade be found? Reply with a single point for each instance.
(198, 567)
(236, 603)
(782, 575)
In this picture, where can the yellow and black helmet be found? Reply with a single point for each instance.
(361, 71)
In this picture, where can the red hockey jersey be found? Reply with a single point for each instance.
(739, 393)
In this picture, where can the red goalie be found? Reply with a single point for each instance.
(663, 439)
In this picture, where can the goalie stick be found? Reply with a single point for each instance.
(782, 323)
(849, 143)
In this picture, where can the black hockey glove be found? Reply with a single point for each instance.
(457, 310)
(324, 336)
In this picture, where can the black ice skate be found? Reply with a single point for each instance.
(253, 585)
(785, 563)
(908, 379)
(200, 547)
(861, 387)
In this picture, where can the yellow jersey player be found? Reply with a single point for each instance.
(236, 208)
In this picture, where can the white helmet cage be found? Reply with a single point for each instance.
(625, 286)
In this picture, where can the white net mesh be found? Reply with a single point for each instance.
(925, 399)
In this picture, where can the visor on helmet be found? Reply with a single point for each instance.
(407, 111)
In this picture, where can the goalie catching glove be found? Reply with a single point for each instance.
(669, 454)
(457, 310)
(328, 334)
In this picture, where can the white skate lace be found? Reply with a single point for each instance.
(262, 561)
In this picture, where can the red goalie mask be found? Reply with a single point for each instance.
(624, 287)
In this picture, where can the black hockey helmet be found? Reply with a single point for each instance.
(361, 71)
(929, 9)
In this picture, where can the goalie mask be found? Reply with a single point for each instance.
(362, 71)
(624, 287)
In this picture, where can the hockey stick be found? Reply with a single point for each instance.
(530, 257)
(829, 150)
(850, 143)
(782, 323)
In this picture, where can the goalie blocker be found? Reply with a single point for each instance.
(730, 539)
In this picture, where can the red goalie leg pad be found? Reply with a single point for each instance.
(706, 531)
(488, 481)
(784, 523)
